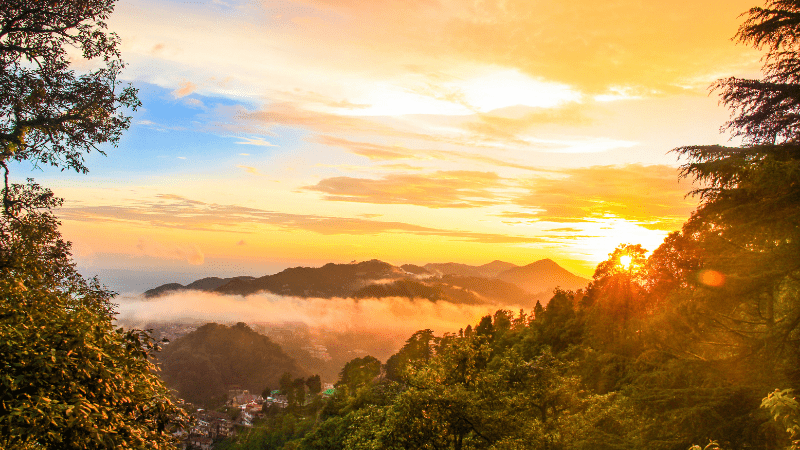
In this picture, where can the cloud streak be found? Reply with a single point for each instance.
(442, 189)
(176, 212)
(382, 152)
(650, 195)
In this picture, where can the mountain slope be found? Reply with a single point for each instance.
(204, 364)
(489, 270)
(330, 280)
(203, 284)
(543, 276)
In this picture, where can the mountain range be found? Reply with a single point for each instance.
(497, 282)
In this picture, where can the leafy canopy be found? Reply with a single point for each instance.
(50, 114)
(68, 378)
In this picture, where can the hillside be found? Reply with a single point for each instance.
(490, 270)
(203, 284)
(330, 280)
(204, 364)
(542, 277)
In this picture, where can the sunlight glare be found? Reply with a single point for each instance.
(508, 87)
(611, 232)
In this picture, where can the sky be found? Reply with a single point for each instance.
(274, 134)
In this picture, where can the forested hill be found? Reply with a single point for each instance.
(205, 363)
(203, 284)
(330, 280)
(494, 283)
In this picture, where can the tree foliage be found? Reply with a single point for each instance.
(745, 231)
(68, 378)
(50, 114)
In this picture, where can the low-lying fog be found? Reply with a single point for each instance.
(348, 327)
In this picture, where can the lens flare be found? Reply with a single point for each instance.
(712, 278)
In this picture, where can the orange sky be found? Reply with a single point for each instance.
(278, 133)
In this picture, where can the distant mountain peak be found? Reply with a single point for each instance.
(542, 276)
(490, 270)
(546, 262)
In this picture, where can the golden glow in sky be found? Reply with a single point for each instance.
(286, 132)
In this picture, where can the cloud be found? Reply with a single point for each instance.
(251, 170)
(381, 152)
(255, 141)
(184, 88)
(386, 315)
(650, 195)
(176, 212)
(369, 150)
(288, 114)
(194, 103)
(317, 98)
(442, 189)
(597, 45)
(510, 124)
(592, 45)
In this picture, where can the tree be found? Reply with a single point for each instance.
(766, 110)
(285, 383)
(68, 378)
(297, 394)
(314, 384)
(48, 113)
(359, 372)
(417, 350)
(615, 300)
(746, 228)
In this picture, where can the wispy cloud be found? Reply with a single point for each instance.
(650, 195)
(381, 152)
(185, 88)
(250, 170)
(176, 212)
(258, 141)
(442, 189)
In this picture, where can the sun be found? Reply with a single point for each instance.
(625, 261)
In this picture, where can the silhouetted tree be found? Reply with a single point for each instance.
(746, 227)
(286, 383)
(314, 384)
